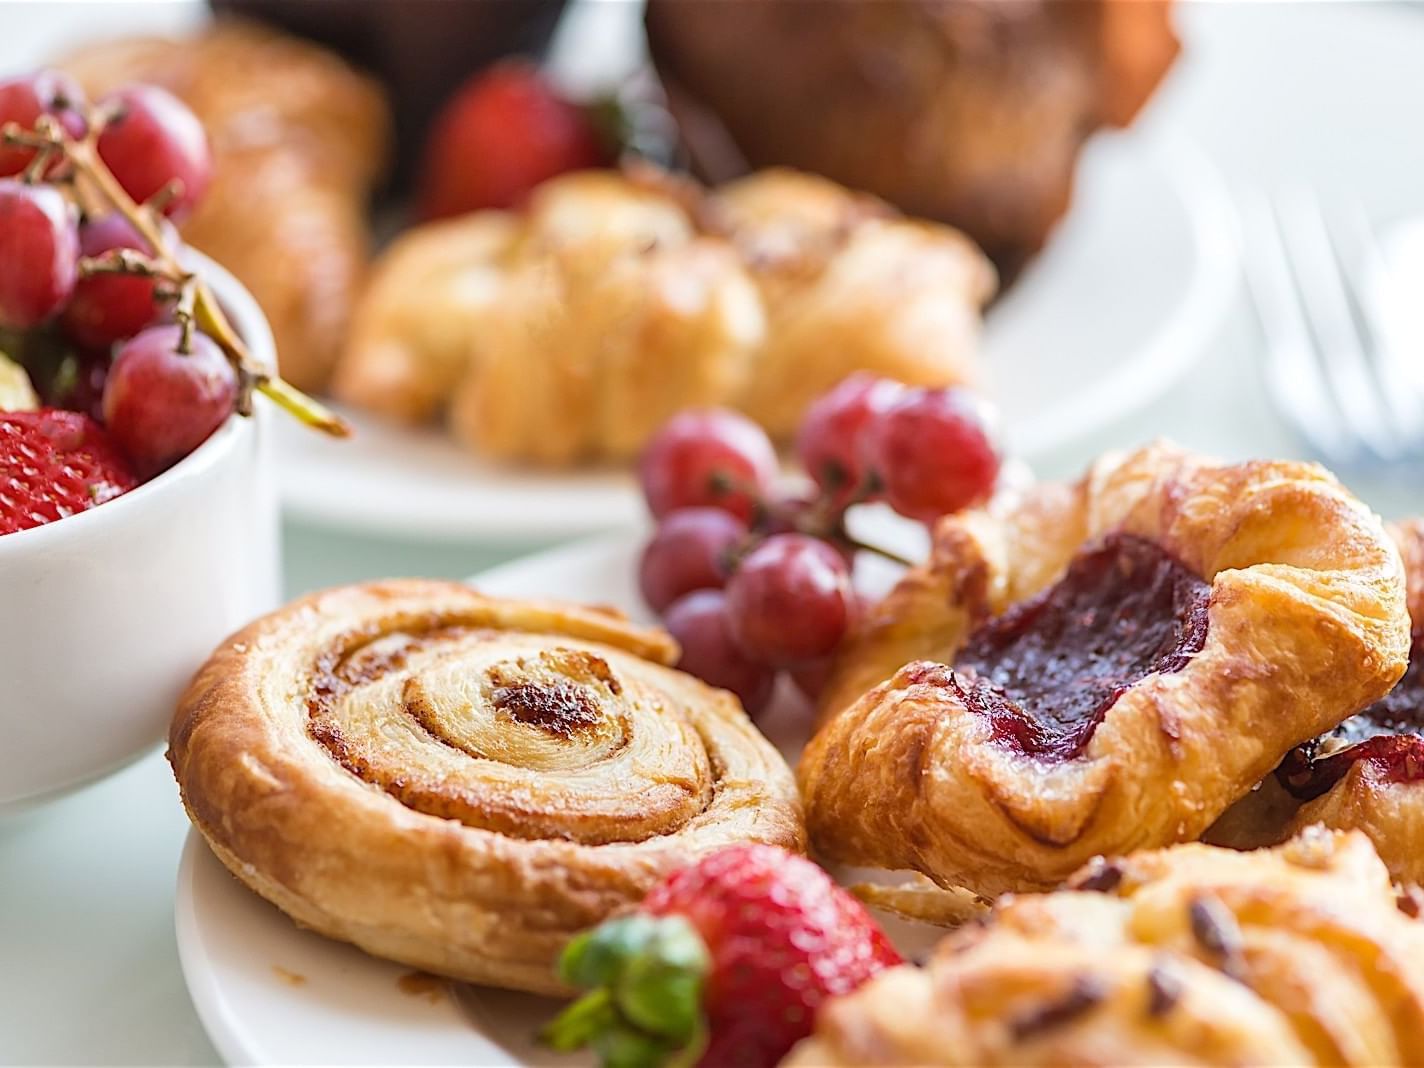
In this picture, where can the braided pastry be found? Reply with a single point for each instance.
(1188, 956)
(462, 783)
(1102, 667)
(1367, 773)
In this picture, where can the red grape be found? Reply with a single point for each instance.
(712, 457)
(152, 139)
(110, 307)
(699, 622)
(811, 678)
(932, 451)
(77, 384)
(39, 253)
(830, 442)
(25, 99)
(688, 552)
(161, 404)
(790, 600)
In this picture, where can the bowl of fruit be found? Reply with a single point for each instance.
(138, 517)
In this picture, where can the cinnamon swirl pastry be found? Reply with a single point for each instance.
(462, 783)
(1185, 956)
(1102, 667)
(1367, 773)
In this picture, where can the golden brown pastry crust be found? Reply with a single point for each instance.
(299, 139)
(616, 300)
(1189, 955)
(1366, 798)
(1306, 625)
(459, 782)
(615, 314)
(849, 285)
(409, 342)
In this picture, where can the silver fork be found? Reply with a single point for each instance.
(1332, 371)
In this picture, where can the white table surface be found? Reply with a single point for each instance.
(88, 966)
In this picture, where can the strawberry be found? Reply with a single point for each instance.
(501, 134)
(54, 463)
(725, 962)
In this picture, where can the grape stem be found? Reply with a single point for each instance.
(866, 547)
(202, 309)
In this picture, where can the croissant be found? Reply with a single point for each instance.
(409, 340)
(1188, 956)
(1101, 667)
(463, 783)
(848, 286)
(572, 331)
(615, 315)
(1365, 774)
(296, 153)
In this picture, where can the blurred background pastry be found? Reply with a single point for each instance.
(571, 331)
(970, 112)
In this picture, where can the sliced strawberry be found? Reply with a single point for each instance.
(54, 463)
(501, 134)
(729, 958)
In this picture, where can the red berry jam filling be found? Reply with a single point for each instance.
(1389, 734)
(1046, 672)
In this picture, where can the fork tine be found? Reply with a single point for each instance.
(1397, 382)
(1293, 371)
(1325, 299)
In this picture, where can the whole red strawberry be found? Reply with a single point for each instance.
(733, 955)
(502, 133)
(54, 463)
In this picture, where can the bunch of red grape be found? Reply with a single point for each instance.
(95, 313)
(752, 580)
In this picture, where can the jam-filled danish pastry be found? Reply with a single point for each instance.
(1102, 667)
(1367, 773)
(1191, 955)
(462, 783)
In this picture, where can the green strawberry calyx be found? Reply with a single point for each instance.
(643, 1009)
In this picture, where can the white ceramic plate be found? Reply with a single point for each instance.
(1128, 292)
(270, 993)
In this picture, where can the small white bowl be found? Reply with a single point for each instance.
(105, 615)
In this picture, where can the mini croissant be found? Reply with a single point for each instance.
(571, 331)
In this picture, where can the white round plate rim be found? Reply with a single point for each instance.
(478, 500)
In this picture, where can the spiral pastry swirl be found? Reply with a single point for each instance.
(460, 782)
